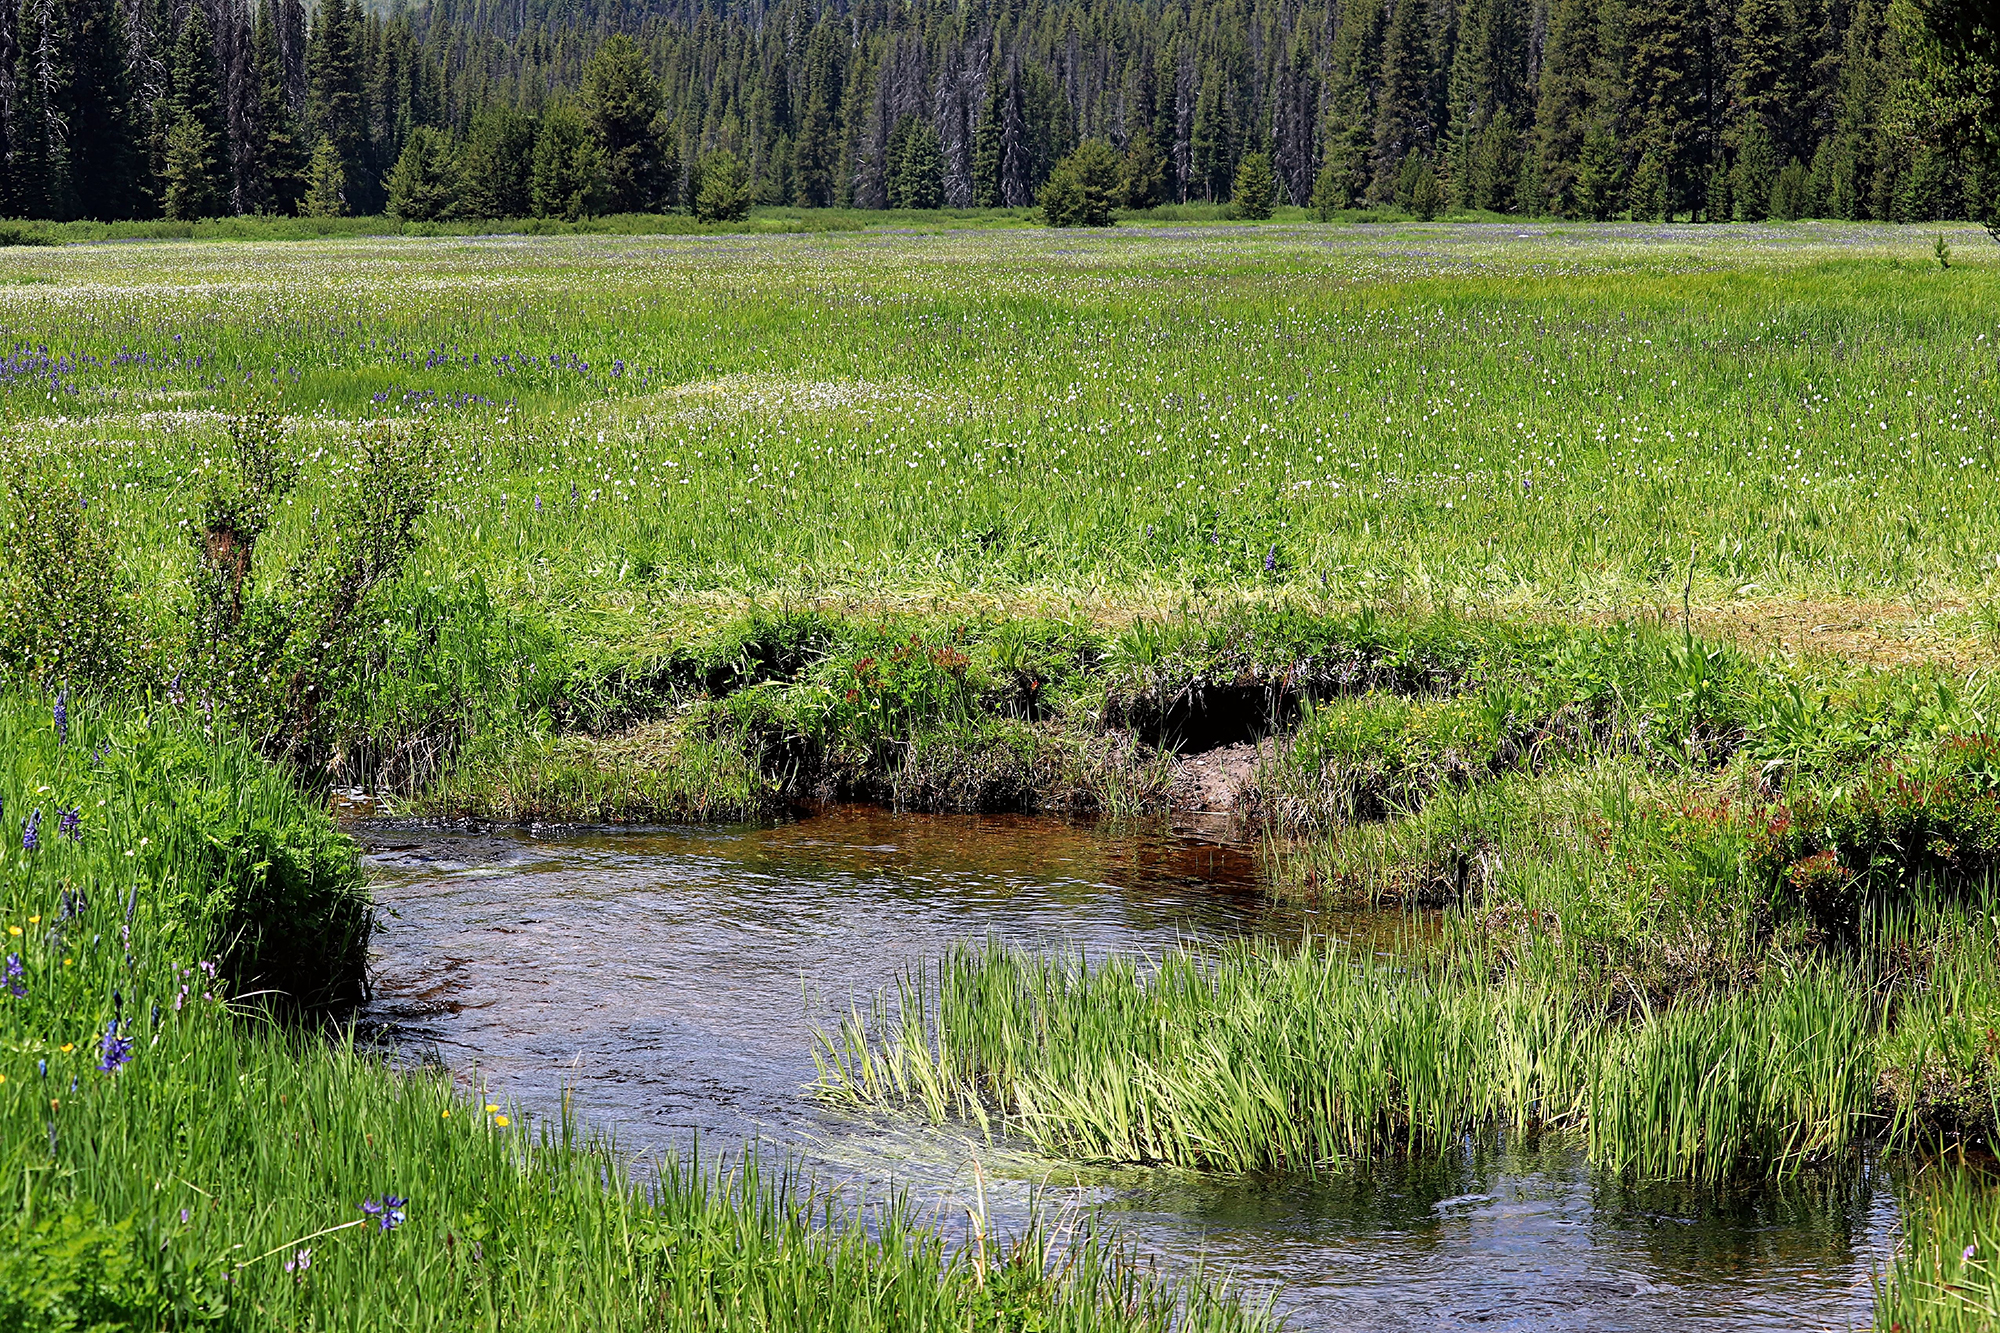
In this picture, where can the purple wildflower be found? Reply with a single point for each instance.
(389, 1210)
(1970, 1251)
(538, 502)
(116, 1049)
(14, 974)
(184, 1217)
(1271, 561)
(299, 1262)
(62, 717)
(69, 823)
(31, 832)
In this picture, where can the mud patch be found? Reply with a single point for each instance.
(1220, 781)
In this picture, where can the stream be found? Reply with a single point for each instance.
(671, 979)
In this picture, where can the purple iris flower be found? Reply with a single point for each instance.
(116, 1050)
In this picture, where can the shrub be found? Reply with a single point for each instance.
(63, 609)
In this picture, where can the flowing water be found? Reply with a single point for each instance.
(671, 980)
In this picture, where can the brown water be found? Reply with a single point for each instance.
(671, 979)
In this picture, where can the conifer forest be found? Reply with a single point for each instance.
(1710, 110)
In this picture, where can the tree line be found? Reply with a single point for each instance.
(1702, 109)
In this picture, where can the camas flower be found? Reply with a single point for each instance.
(62, 717)
(389, 1209)
(14, 974)
(31, 832)
(69, 823)
(116, 1050)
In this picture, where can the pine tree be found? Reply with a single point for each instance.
(1142, 177)
(917, 170)
(1750, 182)
(279, 167)
(1255, 192)
(620, 100)
(496, 166)
(1405, 116)
(104, 149)
(1082, 190)
(1495, 167)
(721, 188)
(567, 176)
(986, 143)
(423, 187)
(195, 181)
(1648, 198)
(1667, 62)
(1210, 148)
(1563, 107)
(1354, 63)
(817, 152)
(326, 183)
(335, 112)
(1599, 181)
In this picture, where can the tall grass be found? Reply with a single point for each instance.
(172, 1155)
(1263, 1057)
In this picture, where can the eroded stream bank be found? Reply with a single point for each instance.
(671, 979)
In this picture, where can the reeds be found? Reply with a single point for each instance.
(1255, 1056)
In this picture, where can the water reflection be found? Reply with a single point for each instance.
(671, 978)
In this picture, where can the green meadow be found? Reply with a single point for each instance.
(1618, 602)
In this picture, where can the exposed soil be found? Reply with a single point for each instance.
(1217, 781)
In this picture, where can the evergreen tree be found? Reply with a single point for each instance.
(986, 143)
(916, 166)
(1210, 149)
(1563, 110)
(1755, 171)
(326, 183)
(1142, 177)
(1354, 71)
(1255, 193)
(104, 152)
(195, 184)
(721, 188)
(1648, 199)
(621, 98)
(1082, 191)
(423, 185)
(1599, 181)
(279, 169)
(1666, 71)
(566, 178)
(496, 166)
(335, 113)
(1424, 196)
(1790, 193)
(1495, 168)
(1405, 116)
(1329, 195)
(818, 148)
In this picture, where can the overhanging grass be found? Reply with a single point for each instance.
(171, 1156)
